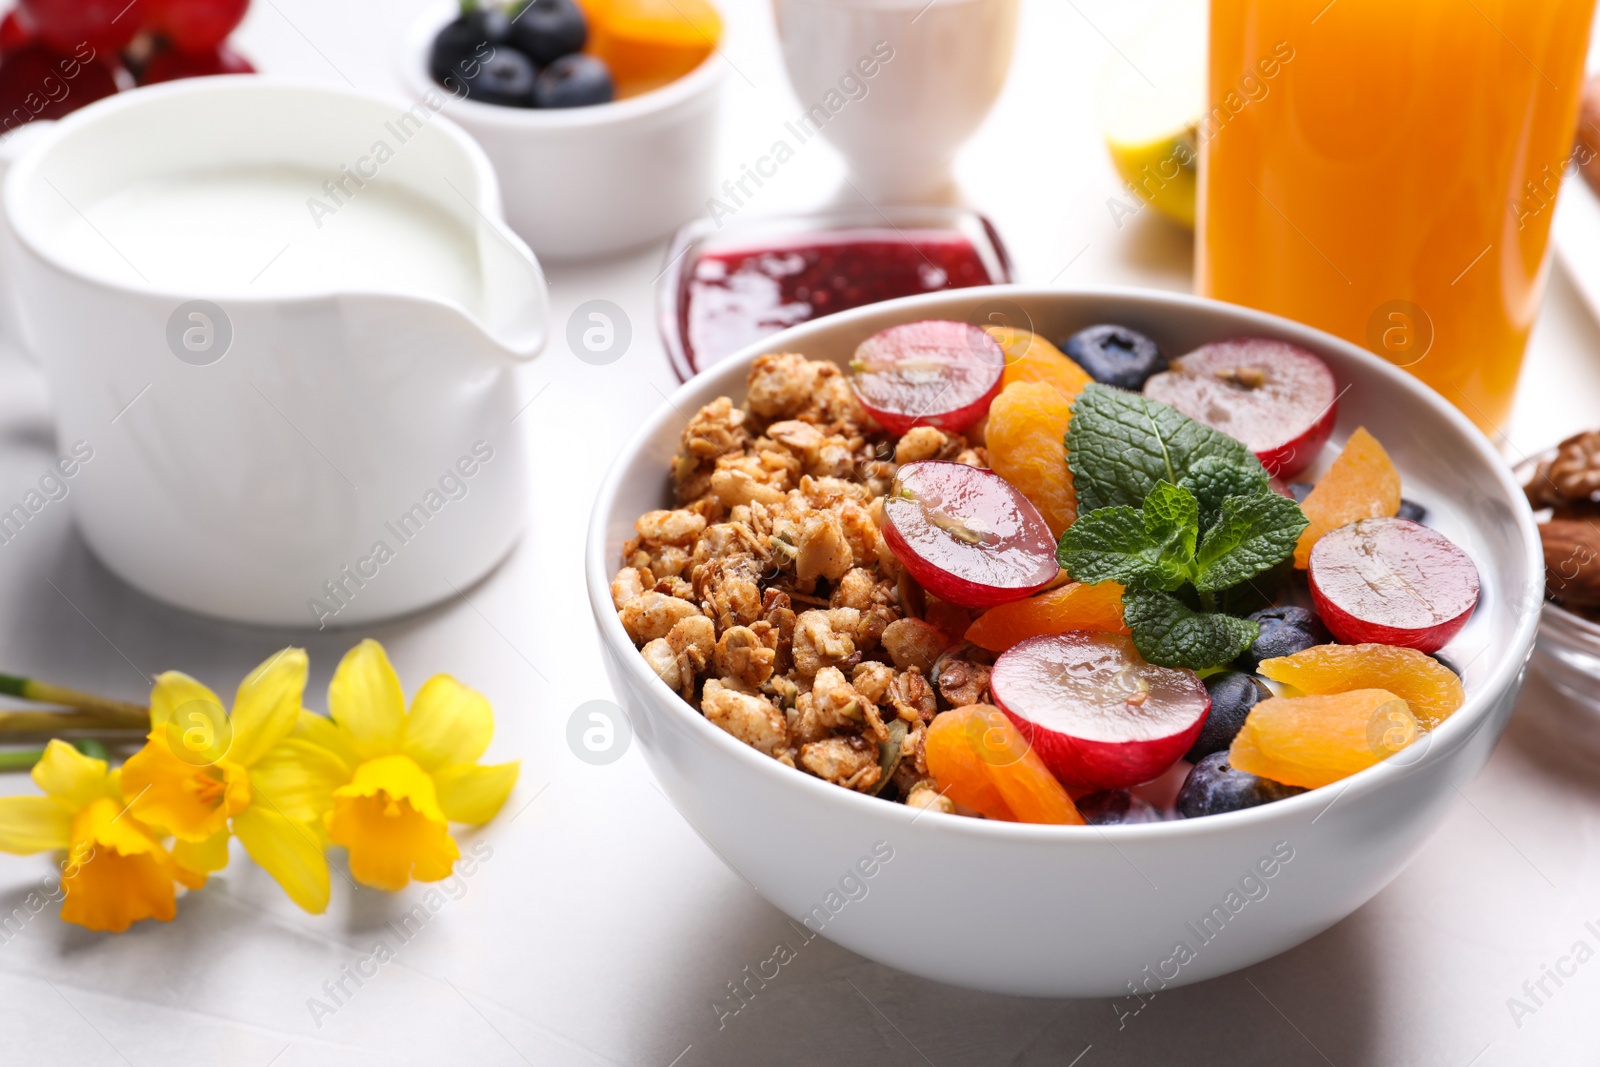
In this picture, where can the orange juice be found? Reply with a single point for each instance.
(1386, 170)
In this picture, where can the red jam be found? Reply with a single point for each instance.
(733, 296)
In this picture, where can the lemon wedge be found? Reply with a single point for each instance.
(1152, 94)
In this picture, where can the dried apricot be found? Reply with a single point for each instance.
(981, 760)
(648, 43)
(1074, 606)
(1361, 484)
(1314, 740)
(1428, 686)
(1026, 439)
(1030, 358)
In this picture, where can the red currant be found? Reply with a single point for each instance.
(70, 25)
(195, 25)
(169, 64)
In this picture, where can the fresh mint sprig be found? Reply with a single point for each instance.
(1149, 480)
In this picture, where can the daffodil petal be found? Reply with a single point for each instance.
(288, 851)
(202, 857)
(322, 731)
(448, 724)
(174, 689)
(472, 794)
(297, 779)
(117, 873)
(69, 775)
(267, 704)
(366, 701)
(390, 842)
(189, 801)
(33, 824)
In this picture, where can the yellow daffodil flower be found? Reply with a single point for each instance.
(202, 772)
(407, 775)
(116, 871)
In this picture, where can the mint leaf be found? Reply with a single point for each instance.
(1252, 534)
(1120, 445)
(1169, 633)
(1212, 479)
(1112, 545)
(1172, 522)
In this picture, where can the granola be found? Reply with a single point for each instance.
(769, 600)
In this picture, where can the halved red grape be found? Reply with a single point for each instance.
(966, 535)
(1392, 582)
(1098, 715)
(934, 373)
(1277, 398)
(69, 25)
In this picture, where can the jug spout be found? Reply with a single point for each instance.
(514, 312)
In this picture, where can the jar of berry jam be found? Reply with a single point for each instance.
(726, 287)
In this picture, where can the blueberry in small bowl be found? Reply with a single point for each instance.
(507, 78)
(573, 81)
(464, 43)
(546, 30)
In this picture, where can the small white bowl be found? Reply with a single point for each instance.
(1085, 911)
(586, 182)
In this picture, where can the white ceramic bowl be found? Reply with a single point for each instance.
(1080, 911)
(585, 182)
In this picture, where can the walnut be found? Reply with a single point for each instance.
(743, 659)
(753, 719)
(651, 615)
(914, 643)
(851, 762)
(1572, 561)
(716, 430)
(1571, 476)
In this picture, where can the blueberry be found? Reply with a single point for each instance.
(1213, 788)
(1410, 509)
(1299, 490)
(546, 30)
(1116, 807)
(1284, 631)
(1232, 696)
(1115, 355)
(573, 81)
(462, 46)
(507, 77)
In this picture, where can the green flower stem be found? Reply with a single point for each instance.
(116, 714)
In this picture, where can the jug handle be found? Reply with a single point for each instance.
(12, 147)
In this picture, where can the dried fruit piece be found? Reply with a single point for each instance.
(1311, 741)
(1026, 440)
(1361, 484)
(980, 760)
(648, 43)
(1431, 689)
(1030, 358)
(1074, 606)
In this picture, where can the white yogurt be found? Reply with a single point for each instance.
(254, 232)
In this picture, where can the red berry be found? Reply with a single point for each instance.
(1277, 398)
(1098, 715)
(933, 373)
(967, 535)
(194, 25)
(37, 83)
(16, 32)
(169, 64)
(1392, 582)
(70, 26)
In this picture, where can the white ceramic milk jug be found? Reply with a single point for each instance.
(284, 320)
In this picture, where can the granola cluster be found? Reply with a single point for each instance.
(769, 599)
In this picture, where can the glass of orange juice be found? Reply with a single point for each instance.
(1386, 170)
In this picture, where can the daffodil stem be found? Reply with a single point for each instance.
(58, 722)
(114, 713)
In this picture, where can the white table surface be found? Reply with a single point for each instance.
(602, 929)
